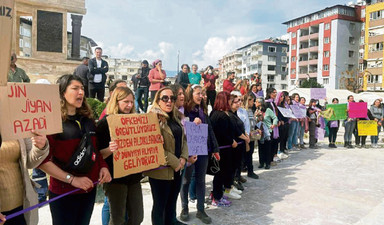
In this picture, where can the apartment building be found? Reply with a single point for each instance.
(268, 58)
(373, 48)
(122, 69)
(324, 45)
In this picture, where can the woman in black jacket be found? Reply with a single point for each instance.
(182, 77)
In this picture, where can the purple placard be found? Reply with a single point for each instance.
(320, 133)
(286, 112)
(357, 110)
(197, 138)
(318, 93)
(298, 111)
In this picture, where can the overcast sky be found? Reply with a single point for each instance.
(202, 30)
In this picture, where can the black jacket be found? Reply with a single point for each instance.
(92, 65)
(183, 79)
(82, 71)
(142, 76)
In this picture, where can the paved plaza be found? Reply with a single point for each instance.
(322, 186)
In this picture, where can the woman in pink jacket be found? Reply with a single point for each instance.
(157, 77)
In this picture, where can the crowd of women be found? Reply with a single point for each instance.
(238, 122)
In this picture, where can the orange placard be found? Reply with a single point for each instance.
(25, 107)
(140, 145)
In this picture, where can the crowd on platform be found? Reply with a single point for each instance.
(240, 119)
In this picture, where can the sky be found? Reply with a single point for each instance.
(202, 31)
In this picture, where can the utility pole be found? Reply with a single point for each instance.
(178, 57)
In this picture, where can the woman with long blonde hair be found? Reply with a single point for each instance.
(124, 194)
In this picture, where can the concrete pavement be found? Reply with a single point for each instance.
(322, 186)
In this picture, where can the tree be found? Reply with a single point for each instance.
(351, 80)
(310, 83)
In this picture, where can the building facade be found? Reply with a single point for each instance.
(122, 69)
(268, 58)
(324, 45)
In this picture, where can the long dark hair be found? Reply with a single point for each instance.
(63, 82)
(189, 103)
(269, 92)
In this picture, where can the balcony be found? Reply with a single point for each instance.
(303, 63)
(376, 70)
(375, 39)
(375, 23)
(312, 61)
(314, 49)
(314, 36)
(312, 74)
(303, 50)
(375, 54)
(304, 38)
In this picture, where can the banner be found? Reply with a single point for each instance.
(318, 93)
(357, 110)
(197, 138)
(139, 142)
(340, 111)
(286, 112)
(298, 112)
(6, 23)
(25, 107)
(367, 128)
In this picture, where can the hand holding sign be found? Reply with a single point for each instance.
(197, 137)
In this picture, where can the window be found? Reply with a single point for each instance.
(271, 58)
(27, 44)
(351, 40)
(351, 54)
(327, 26)
(284, 59)
(21, 43)
(326, 40)
(271, 49)
(293, 58)
(361, 40)
(350, 67)
(361, 67)
(271, 78)
(284, 87)
(283, 69)
(352, 26)
(124, 77)
(363, 26)
(362, 13)
(293, 71)
(326, 67)
(293, 34)
(131, 70)
(293, 82)
(376, 15)
(373, 79)
(284, 49)
(270, 85)
(293, 47)
(283, 77)
(326, 54)
(271, 68)
(326, 81)
(376, 47)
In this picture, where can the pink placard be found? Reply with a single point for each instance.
(357, 110)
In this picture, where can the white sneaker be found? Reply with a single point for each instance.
(276, 159)
(237, 191)
(232, 195)
(282, 155)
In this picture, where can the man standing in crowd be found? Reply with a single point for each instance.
(82, 71)
(97, 77)
(210, 77)
(143, 87)
(17, 74)
(228, 84)
(350, 124)
(182, 77)
(194, 77)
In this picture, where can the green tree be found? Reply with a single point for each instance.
(310, 83)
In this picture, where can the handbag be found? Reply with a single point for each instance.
(213, 165)
(254, 135)
(84, 157)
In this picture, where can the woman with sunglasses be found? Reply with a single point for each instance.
(124, 194)
(166, 182)
(196, 111)
(222, 128)
(241, 137)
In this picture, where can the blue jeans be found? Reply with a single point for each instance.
(40, 177)
(192, 186)
(200, 168)
(349, 129)
(301, 131)
(292, 134)
(105, 216)
(374, 139)
(139, 94)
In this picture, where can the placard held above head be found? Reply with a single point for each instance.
(139, 140)
(318, 93)
(6, 23)
(25, 107)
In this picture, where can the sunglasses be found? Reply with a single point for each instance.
(166, 98)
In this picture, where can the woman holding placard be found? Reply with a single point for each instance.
(75, 208)
(377, 112)
(270, 103)
(196, 111)
(293, 125)
(124, 194)
(166, 182)
(16, 191)
(312, 113)
(333, 127)
(282, 101)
